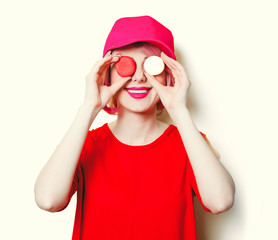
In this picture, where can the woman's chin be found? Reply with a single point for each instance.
(138, 106)
(138, 109)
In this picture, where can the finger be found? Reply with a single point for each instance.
(112, 58)
(103, 63)
(170, 63)
(119, 84)
(108, 53)
(157, 85)
(107, 62)
(173, 63)
(98, 64)
(177, 69)
(101, 67)
(103, 70)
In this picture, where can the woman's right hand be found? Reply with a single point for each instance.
(97, 94)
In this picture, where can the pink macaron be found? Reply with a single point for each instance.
(126, 66)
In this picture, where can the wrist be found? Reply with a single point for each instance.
(184, 122)
(178, 114)
(88, 110)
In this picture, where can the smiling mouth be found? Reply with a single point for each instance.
(138, 92)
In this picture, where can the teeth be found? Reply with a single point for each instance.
(137, 91)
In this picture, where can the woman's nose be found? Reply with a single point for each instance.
(139, 75)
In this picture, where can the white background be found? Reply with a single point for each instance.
(229, 49)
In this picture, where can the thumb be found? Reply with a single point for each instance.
(157, 85)
(117, 85)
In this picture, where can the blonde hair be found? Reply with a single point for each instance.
(111, 106)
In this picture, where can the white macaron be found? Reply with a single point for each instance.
(154, 65)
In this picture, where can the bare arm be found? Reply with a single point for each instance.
(54, 182)
(215, 184)
(212, 148)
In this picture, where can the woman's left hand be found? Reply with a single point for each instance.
(172, 97)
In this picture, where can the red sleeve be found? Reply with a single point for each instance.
(76, 180)
(194, 185)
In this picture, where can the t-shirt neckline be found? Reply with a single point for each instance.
(146, 146)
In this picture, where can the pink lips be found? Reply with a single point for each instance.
(138, 92)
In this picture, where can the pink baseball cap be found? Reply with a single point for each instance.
(129, 30)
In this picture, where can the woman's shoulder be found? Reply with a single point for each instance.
(167, 129)
(99, 133)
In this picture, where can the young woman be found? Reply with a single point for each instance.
(135, 177)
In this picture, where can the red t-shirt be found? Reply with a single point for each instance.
(134, 192)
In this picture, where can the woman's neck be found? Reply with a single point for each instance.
(137, 128)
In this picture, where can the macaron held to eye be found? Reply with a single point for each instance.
(154, 65)
(126, 66)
